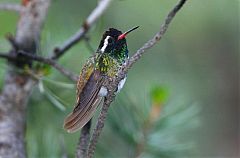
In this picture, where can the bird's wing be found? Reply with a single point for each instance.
(84, 76)
(88, 87)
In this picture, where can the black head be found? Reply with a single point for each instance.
(114, 42)
(110, 41)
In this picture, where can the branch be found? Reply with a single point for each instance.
(51, 62)
(30, 25)
(17, 87)
(7, 56)
(81, 151)
(91, 19)
(13, 57)
(100, 122)
(158, 36)
(112, 85)
(12, 7)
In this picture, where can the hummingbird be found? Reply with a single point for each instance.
(110, 56)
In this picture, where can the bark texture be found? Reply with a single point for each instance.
(81, 151)
(13, 101)
(18, 86)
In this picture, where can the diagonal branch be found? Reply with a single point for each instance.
(112, 85)
(12, 7)
(67, 73)
(157, 37)
(51, 62)
(7, 56)
(91, 19)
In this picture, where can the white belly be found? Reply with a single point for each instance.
(103, 91)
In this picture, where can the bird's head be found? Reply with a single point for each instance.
(114, 43)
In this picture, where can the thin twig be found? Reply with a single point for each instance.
(81, 151)
(7, 56)
(92, 18)
(100, 124)
(51, 62)
(158, 36)
(48, 61)
(113, 85)
(12, 7)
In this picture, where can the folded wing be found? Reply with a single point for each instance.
(88, 87)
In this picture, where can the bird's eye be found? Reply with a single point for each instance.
(110, 41)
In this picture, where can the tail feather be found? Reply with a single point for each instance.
(78, 119)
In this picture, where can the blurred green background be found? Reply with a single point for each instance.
(190, 77)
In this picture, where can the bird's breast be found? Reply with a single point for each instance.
(108, 66)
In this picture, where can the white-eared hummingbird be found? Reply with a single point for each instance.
(110, 56)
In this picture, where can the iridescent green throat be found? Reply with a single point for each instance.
(109, 63)
(120, 55)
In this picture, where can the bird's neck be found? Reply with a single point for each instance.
(120, 54)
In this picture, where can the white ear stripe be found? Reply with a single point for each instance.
(105, 44)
